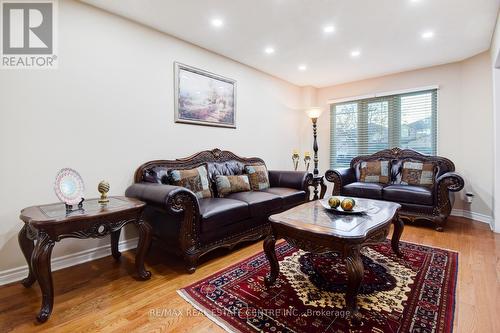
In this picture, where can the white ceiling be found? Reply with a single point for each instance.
(387, 32)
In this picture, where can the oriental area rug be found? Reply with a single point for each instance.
(415, 293)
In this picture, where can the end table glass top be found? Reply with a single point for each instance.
(89, 206)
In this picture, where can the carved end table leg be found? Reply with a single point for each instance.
(269, 249)
(27, 247)
(142, 248)
(115, 237)
(355, 271)
(396, 235)
(40, 261)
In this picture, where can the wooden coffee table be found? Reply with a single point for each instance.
(312, 228)
(47, 224)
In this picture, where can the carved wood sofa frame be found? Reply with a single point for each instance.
(182, 206)
(446, 183)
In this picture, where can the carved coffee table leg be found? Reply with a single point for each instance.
(355, 271)
(396, 235)
(142, 248)
(115, 237)
(269, 249)
(40, 262)
(27, 247)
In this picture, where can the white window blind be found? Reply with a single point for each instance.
(366, 126)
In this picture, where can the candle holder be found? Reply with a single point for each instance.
(307, 160)
(295, 159)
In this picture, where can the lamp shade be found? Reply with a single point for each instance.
(314, 112)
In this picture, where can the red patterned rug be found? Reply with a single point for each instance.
(415, 293)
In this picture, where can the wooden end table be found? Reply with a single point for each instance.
(44, 225)
(318, 181)
(312, 228)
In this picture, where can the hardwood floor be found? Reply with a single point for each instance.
(102, 295)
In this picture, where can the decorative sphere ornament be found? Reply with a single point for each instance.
(103, 188)
(348, 204)
(334, 202)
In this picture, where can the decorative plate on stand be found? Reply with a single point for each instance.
(69, 186)
(356, 210)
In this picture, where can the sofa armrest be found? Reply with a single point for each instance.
(174, 199)
(445, 184)
(450, 181)
(340, 178)
(298, 180)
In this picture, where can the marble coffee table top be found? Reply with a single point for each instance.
(313, 217)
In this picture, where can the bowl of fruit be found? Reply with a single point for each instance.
(343, 205)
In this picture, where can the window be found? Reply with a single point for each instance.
(366, 126)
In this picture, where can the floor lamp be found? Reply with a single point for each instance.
(314, 113)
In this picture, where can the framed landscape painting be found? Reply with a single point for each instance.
(204, 98)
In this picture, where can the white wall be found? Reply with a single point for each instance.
(495, 65)
(465, 131)
(109, 107)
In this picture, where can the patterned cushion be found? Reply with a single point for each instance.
(257, 174)
(418, 173)
(156, 174)
(374, 171)
(231, 184)
(194, 179)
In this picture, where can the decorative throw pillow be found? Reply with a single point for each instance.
(418, 173)
(156, 174)
(231, 184)
(194, 179)
(257, 174)
(374, 171)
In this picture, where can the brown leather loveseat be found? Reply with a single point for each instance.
(432, 202)
(190, 226)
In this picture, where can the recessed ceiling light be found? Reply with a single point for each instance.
(302, 67)
(217, 22)
(328, 29)
(355, 53)
(428, 34)
(269, 50)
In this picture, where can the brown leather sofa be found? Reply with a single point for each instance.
(418, 202)
(192, 227)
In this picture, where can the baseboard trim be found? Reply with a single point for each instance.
(472, 215)
(19, 273)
